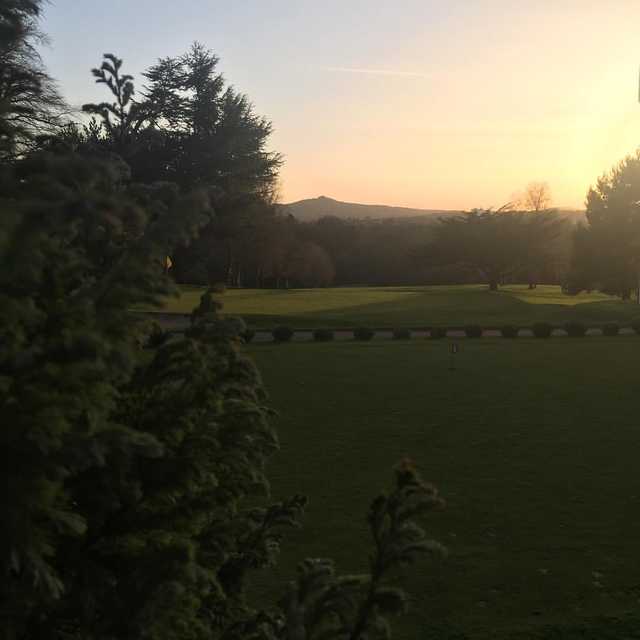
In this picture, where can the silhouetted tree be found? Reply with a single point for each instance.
(30, 105)
(499, 245)
(607, 252)
(188, 128)
(537, 197)
(544, 235)
(482, 240)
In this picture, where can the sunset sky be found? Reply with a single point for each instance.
(448, 104)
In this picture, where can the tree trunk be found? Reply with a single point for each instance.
(493, 285)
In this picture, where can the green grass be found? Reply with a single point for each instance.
(534, 444)
(412, 306)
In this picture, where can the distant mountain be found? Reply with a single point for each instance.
(316, 208)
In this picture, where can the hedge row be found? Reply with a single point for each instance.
(364, 334)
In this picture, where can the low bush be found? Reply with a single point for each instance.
(323, 335)
(282, 334)
(437, 333)
(509, 331)
(157, 336)
(473, 331)
(248, 335)
(218, 288)
(401, 334)
(542, 330)
(611, 329)
(363, 333)
(575, 329)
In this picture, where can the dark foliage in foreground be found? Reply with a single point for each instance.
(143, 468)
(248, 335)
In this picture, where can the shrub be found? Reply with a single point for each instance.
(509, 331)
(575, 329)
(282, 334)
(401, 334)
(323, 335)
(473, 331)
(542, 330)
(363, 333)
(611, 329)
(248, 335)
(635, 325)
(157, 336)
(437, 333)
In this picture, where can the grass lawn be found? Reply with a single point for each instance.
(534, 444)
(412, 306)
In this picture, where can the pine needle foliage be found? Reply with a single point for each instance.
(137, 489)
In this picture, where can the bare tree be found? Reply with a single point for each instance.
(537, 196)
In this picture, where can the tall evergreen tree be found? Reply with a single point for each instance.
(606, 253)
(29, 101)
(189, 128)
(77, 251)
(497, 244)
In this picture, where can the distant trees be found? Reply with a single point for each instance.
(545, 241)
(497, 245)
(606, 254)
(311, 266)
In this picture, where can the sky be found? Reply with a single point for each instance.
(449, 104)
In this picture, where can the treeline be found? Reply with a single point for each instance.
(261, 247)
(267, 249)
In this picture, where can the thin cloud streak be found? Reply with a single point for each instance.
(378, 72)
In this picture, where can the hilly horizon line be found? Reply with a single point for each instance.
(309, 209)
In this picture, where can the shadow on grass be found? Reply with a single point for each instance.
(451, 307)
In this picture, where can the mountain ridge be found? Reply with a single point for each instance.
(311, 209)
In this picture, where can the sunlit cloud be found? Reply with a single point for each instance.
(378, 72)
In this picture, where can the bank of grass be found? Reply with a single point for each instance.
(412, 306)
(534, 445)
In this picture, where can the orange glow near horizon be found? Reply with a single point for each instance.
(469, 116)
(419, 103)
